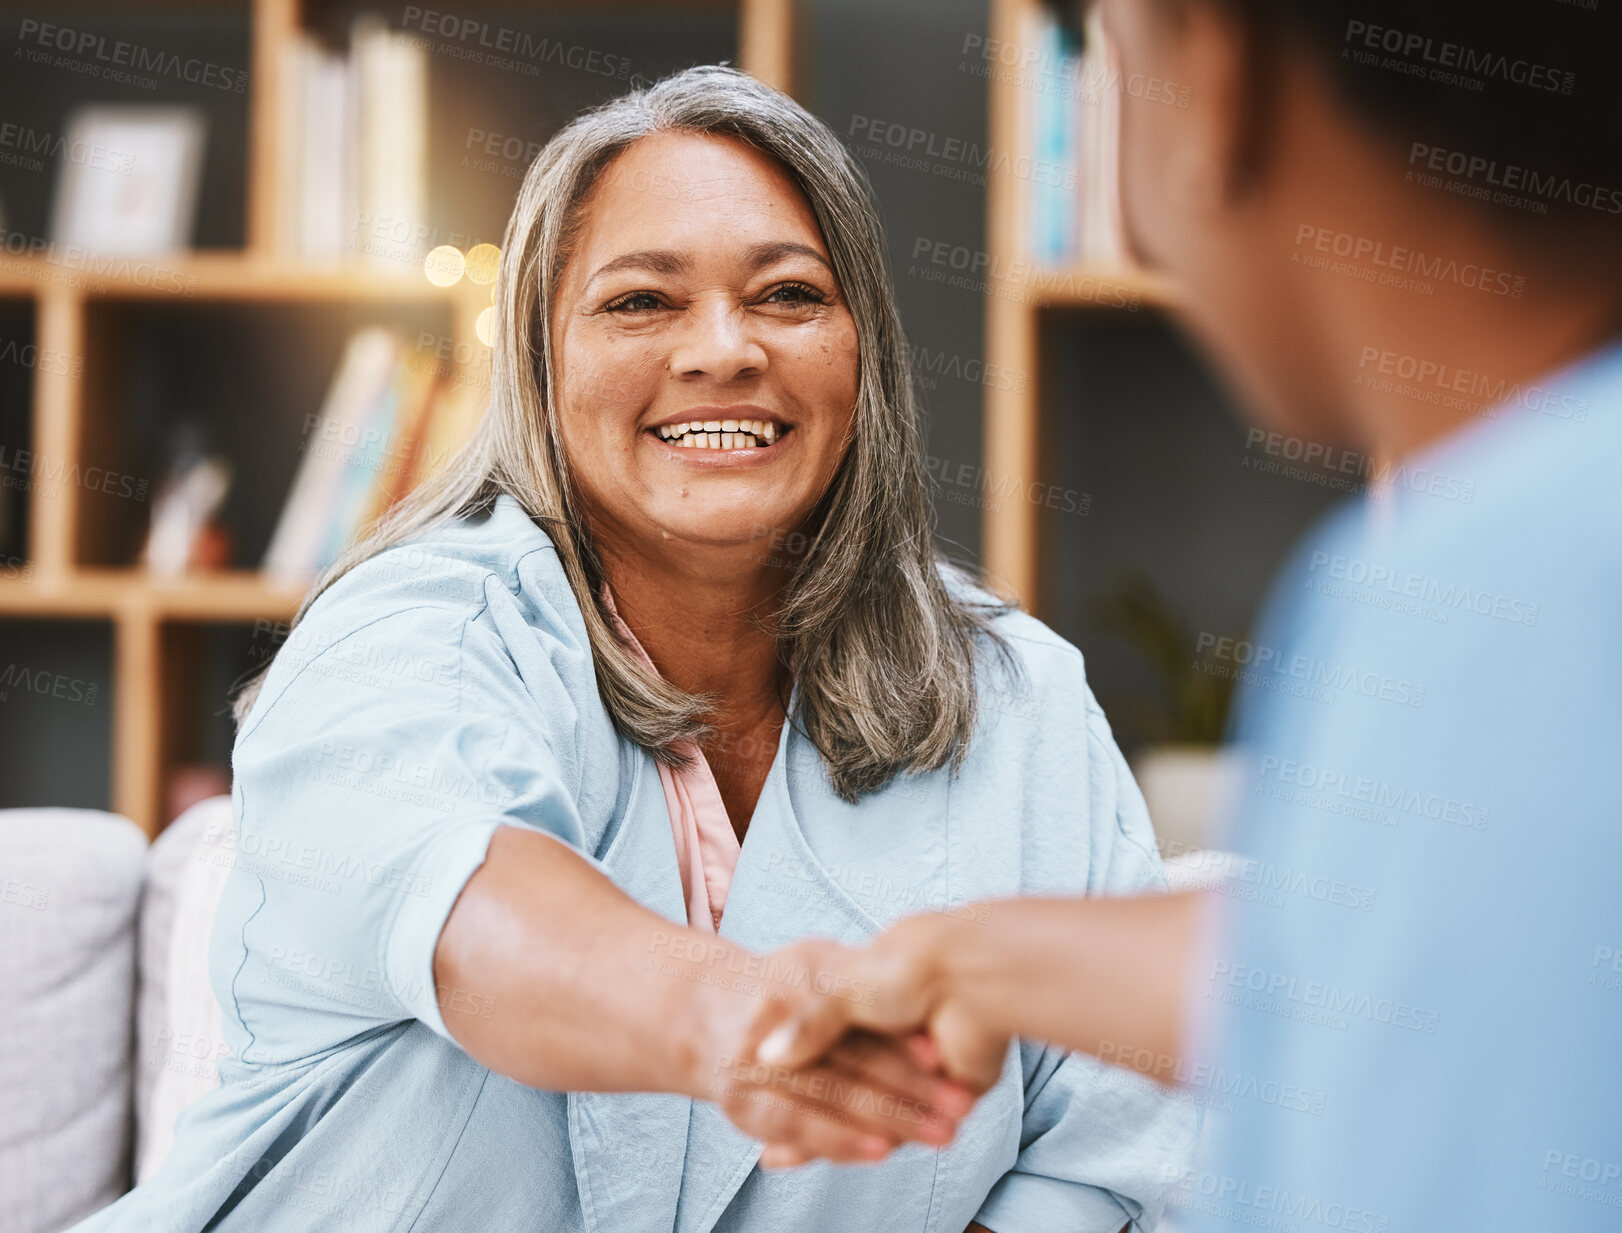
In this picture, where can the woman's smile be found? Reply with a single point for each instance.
(722, 436)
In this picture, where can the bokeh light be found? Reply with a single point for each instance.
(483, 260)
(444, 265)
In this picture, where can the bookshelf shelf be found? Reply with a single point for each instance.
(1013, 429)
(83, 312)
(115, 594)
(224, 276)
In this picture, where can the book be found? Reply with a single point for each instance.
(386, 425)
(353, 148)
(328, 490)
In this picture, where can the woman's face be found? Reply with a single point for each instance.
(706, 362)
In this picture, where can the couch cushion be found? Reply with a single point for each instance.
(179, 1034)
(70, 885)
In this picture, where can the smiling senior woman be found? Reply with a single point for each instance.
(521, 729)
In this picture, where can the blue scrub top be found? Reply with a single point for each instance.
(444, 688)
(1426, 952)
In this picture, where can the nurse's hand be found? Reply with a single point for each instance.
(896, 986)
(856, 1100)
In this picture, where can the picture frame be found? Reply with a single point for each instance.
(135, 194)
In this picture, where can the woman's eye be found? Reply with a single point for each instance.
(637, 301)
(796, 293)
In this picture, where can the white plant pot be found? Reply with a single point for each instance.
(1191, 792)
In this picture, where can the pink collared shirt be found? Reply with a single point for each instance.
(706, 844)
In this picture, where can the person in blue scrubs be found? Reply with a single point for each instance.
(1397, 231)
(462, 978)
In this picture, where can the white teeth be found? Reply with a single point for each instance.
(721, 434)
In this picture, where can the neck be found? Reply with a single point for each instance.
(706, 617)
(1414, 369)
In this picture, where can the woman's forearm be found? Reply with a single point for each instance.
(587, 990)
(1100, 976)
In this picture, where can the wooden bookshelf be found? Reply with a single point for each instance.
(1013, 550)
(150, 617)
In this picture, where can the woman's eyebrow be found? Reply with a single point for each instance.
(760, 255)
(658, 260)
(665, 261)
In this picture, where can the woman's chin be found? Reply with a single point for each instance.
(732, 530)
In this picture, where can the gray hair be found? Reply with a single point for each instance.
(881, 645)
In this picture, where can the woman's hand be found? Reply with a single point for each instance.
(896, 986)
(855, 1099)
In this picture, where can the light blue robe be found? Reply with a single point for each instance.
(445, 688)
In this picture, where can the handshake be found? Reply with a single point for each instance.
(846, 1053)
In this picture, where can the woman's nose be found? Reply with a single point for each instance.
(715, 341)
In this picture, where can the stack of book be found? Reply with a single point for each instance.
(352, 149)
(1069, 128)
(390, 420)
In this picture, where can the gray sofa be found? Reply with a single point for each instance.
(107, 1030)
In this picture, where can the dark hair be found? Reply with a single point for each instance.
(1496, 85)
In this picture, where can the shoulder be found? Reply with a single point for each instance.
(487, 587)
(1027, 673)
(456, 566)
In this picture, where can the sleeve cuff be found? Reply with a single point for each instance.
(1029, 1203)
(426, 900)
